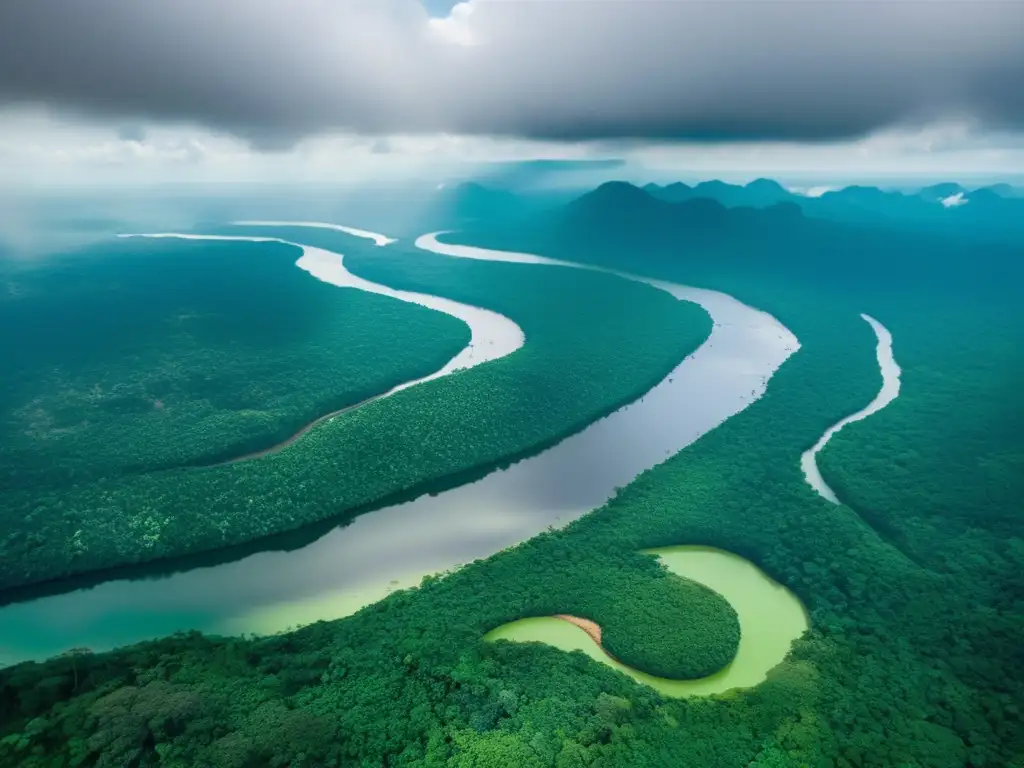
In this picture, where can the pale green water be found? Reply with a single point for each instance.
(771, 618)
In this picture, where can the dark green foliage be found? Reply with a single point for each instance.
(914, 589)
(594, 343)
(140, 355)
(968, 368)
(671, 627)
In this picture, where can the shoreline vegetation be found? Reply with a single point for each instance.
(498, 335)
(147, 355)
(354, 668)
(889, 391)
(770, 619)
(581, 362)
(905, 664)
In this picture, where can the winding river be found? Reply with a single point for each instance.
(394, 547)
(889, 391)
(492, 335)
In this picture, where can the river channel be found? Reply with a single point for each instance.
(394, 547)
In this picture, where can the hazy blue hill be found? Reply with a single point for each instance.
(672, 193)
(618, 202)
(619, 215)
(988, 211)
(939, 192)
(987, 196)
(987, 214)
(857, 194)
(717, 190)
(868, 205)
(764, 192)
(619, 221)
(995, 213)
(759, 193)
(1003, 190)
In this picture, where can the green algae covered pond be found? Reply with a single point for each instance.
(771, 618)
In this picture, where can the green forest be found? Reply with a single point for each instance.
(913, 584)
(594, 343)
(140, 355)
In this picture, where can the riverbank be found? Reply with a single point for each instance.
(395, 547)
(889, 391)
(771, 619)
(492, 335)
(551, 388)
(136, 356)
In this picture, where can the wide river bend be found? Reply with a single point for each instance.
(394, 547)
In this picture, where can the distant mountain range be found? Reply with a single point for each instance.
(625, 207)
(620, 209)
(757, 194)
(622, 225)
(992, 212)
(763, 192)
(951, 206)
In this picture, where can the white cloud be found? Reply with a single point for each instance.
(455, 28)
(817, 191)
(39, 149)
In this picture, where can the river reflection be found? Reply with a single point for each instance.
(394, 547)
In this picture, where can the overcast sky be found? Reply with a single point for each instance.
(236, 89)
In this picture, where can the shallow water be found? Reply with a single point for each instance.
(771, 618)
(890, 391)
(396, 546)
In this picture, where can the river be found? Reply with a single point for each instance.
(394, 547)
(890, 391)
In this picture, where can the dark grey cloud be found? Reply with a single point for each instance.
(276, 70)
(131, 132)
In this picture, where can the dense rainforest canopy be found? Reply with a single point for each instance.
(594, 343)
(913, 583)
(140, 355)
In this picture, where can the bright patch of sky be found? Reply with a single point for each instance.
(439, 8)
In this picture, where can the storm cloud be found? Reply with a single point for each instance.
(274, 71)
